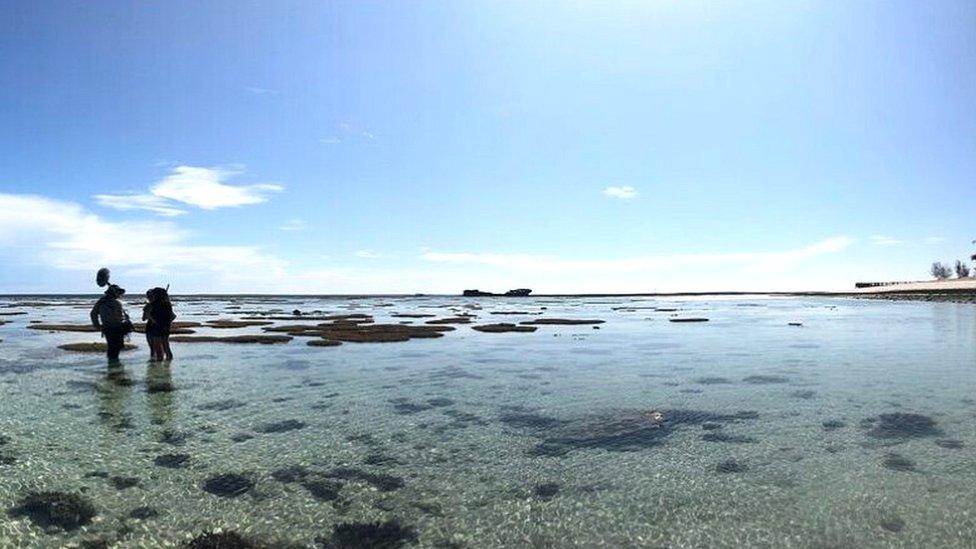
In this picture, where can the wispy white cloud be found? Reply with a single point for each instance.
(548, 264)
(625, 192)
(47, 234)
(148, 202)
(189, 185)
(934, 240)
(293, 225)
(41, 235)
(63, 235)
(258, 90)
(204, 188)
(346, 132)
(882, 240)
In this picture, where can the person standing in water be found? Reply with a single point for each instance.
(109, 317)
(159, 316)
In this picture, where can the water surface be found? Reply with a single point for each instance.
(853, 430)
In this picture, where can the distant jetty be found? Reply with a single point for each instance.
(959, 290)
(518, 292)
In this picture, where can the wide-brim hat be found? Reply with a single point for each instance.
(115, 290)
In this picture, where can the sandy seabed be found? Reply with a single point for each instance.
(854, 429)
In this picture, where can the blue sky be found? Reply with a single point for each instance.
(336, 147)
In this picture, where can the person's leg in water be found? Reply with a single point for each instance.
(115, 341)
(165, 347)
(158, 344)
(152, 347)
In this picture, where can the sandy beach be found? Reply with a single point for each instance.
(950, 291)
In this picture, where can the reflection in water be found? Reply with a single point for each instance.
(114, 393)
(159, 391)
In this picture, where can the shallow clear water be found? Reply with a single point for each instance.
(490, 440)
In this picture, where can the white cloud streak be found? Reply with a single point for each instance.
(624, 193)
(39, 234)
(147, 202)
(347, 132)
(881, 240)
(545, 264)
(258, 90)
(293, 225)
(203, 188)
(63, 235)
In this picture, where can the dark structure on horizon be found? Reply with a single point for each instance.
(519, 292)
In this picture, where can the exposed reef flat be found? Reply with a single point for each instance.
(262, 339)
(63, 327)
(91, 347)
(176, 328)
(503, 327)
(228, 323)
(561, 322)
(353, 332)
(323, 343)
(452, 320)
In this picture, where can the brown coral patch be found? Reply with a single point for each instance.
(561, 321)
(175, 328)
(263, 339)
(503, 327)
(379, 333)
(92, 347)
(324, 343)
(385, 333)
(63, 327)
(451, 320)
(229, 323)
(295, 329)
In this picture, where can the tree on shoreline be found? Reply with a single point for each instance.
(962, 270)
(940, 270)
